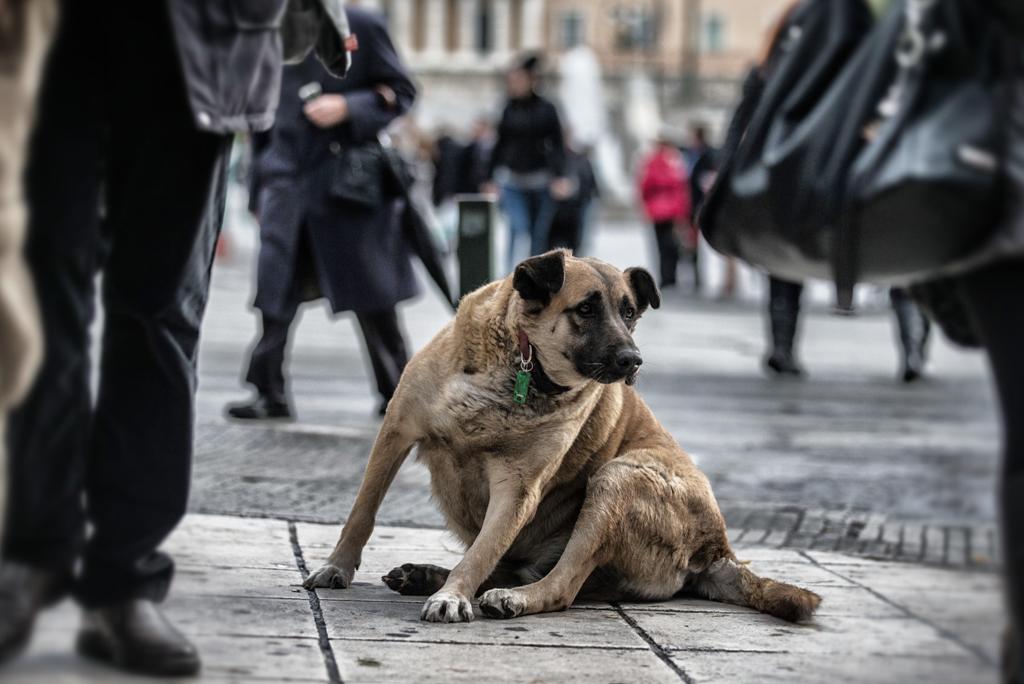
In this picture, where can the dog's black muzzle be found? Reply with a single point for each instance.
(623, 364)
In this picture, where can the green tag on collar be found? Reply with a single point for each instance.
(522, 387)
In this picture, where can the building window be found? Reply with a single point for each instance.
(714, 34)
(570, 30)
(484, 27)
(636, 28)
(419, 25)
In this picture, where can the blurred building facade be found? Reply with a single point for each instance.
(695, 52)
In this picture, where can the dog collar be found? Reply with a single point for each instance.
(530, 370)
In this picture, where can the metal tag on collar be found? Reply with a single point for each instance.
(523, 376)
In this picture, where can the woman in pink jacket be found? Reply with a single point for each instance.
(665, 191)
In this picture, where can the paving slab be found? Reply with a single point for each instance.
(369, 662)
(392, 621)
(202, 616)
(242, 582)
(756, 668)
(838, 635)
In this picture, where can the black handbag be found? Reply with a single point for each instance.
(359, 175)
(866, 150)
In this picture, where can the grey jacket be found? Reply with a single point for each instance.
(231, 53)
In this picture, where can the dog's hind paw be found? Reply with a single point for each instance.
(446, 606)
(503, 603)
(411, 579)
(330, 577)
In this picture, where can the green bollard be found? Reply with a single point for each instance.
(475, 249)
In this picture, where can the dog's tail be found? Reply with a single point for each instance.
(729, 581)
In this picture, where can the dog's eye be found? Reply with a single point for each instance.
(629, 314)
(585, 309)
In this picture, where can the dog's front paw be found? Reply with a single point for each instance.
(447, 606)
(503, 603)
(330, 577)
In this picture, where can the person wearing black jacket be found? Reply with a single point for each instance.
(125, 176)
(318, 238)
(528, 161)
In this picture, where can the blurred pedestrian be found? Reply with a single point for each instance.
(474, 165)
(447, 154)
(329, 215)
(125, 177)
(702, 164)
(25, 31)
(527, 165)
(665, 192)
(572, 212)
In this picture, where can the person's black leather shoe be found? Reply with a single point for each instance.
(782, 363)
(24, 591)
(136, 637)
(260, 408)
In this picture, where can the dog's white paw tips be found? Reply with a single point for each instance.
(446, 606)
(329, 577)
(502, 603)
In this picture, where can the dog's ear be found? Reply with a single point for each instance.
(644, 289)
(539, 277)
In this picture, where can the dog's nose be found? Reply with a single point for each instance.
(628, 360)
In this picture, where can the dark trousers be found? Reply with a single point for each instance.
(119, 182)
(668, 251)
(994, 297)
(382, 334)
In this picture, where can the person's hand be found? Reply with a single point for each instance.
(490, 188)
(561, 188)
(327, 111)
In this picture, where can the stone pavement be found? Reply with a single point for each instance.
(238, 594)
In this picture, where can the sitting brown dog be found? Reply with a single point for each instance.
(546, 462)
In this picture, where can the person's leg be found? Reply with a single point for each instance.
(517, 215)
(386, 348)
(266, 374)
(913, 329)
(728, 290)
(994, 297)
(164, 223)
(164, 204)
(542, 213)
(668, 252)
(783, 317)
(266, 367)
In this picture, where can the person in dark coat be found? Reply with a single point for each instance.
(315, 244)
(125, 176)
(527, 164)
